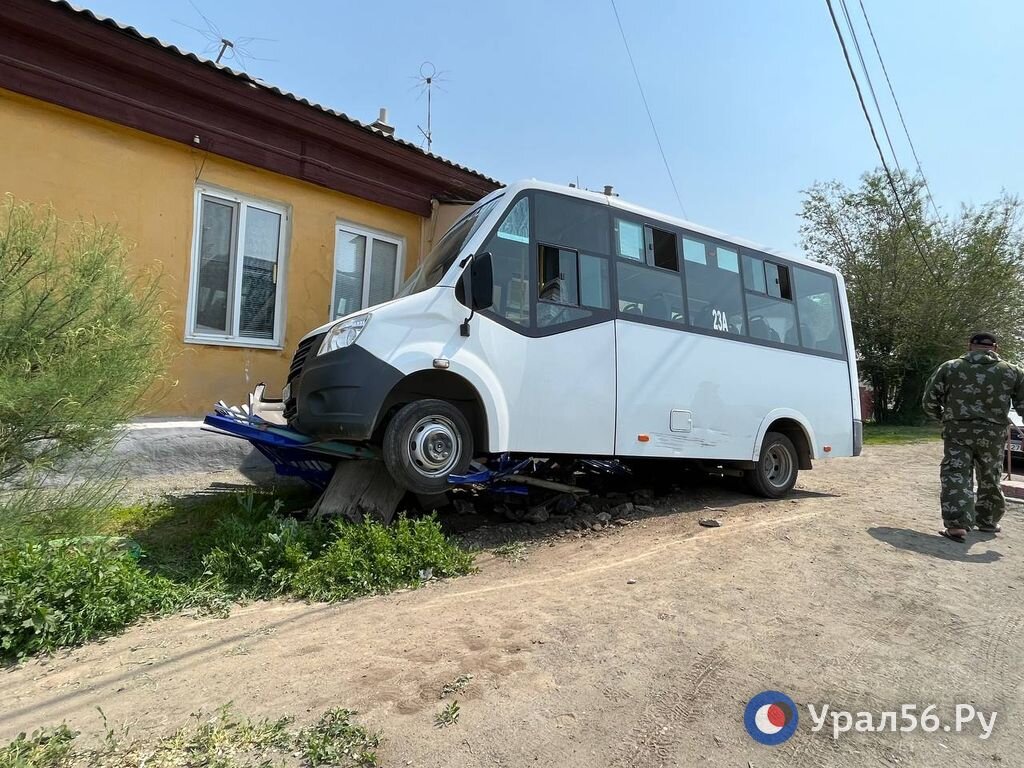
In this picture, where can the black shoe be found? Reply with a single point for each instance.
(989, 527)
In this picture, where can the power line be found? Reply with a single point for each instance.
(899, 111)
(650, 117)
(878, 145)
(871, 87)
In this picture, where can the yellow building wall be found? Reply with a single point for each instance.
(93, 169)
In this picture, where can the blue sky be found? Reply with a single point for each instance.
(751, 98)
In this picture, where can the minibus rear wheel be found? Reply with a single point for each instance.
(776, 470)
(426, 441)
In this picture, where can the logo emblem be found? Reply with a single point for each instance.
(771, 717)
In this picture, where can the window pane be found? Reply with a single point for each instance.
(516, 226)
(629, 240)
(649, 293)
(753, 274)
(383, 264)
(662, 247)
(694, 250)
(772, 319)
(262, 240)
(213, 288)
(558, 279)
(727, 259)
(509, 249)
(818, 305)
(573, 223)
(594, 282)
(349, 258)
(714, 293)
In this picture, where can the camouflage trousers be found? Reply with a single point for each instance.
(972, 449)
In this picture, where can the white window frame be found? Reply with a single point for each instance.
(370, 235)
(233, 337)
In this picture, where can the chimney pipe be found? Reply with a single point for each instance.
(381, 123)
(609, 190)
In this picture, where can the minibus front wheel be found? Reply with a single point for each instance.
(775, 473)
(426, 441)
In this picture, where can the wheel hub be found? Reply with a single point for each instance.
(778, 466)
(434, 446)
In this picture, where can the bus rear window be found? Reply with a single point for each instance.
(817, 302)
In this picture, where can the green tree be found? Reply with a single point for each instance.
(81, 338)
(915, 298)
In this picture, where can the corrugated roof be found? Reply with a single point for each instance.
(242, 76)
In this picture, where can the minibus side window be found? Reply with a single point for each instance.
(510, 252)
(569, 222)
(652, 294)
(714, 291)
(817, 301)
(771, 315)
(567, 282)
(661, 249)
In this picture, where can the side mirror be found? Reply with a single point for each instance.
(481, 281)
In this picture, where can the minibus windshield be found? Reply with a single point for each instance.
(442, 255)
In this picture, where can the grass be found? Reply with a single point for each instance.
(458, 685)
(203, 556)
(884, 434)
(512, 550)
(221, 740)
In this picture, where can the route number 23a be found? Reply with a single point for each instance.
(721, 322)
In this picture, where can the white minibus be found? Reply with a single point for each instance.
(552, 321)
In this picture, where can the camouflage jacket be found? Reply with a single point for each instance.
(976, 387)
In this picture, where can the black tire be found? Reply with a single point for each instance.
(426, 441)
(777, 468)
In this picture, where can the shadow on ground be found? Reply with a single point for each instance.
(934, 545)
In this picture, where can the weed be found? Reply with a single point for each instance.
(458, 685)
(335, 740)
(46, 748)
(447, 716)
(57, 594)
(223, 740)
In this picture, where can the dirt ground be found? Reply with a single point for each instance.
(636, 646)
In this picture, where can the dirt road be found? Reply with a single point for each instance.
(640, 647)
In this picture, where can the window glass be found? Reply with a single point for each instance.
(714, 292)
(213, 289)
(510, 263)
(727, 259)
(571, 222)
(630, 240)
(649, 293)
(594, 282)
(443, 254)
(694, 250)
(366, 269)
(818, 305)
(772, 319)
(383, 266)
(558, 276)
(349, 263)
(753, 274)
(259, 273)
(661, 247)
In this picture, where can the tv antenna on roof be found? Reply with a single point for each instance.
(236, 49)
(428, 80)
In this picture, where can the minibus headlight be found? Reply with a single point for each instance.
(343, 334)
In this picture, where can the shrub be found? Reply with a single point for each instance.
(369, 558)
(80, 338)
(57, 594)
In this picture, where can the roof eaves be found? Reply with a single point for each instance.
(242, 76)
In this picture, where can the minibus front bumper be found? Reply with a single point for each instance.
(338, 395)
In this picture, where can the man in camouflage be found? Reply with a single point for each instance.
(971, 396)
